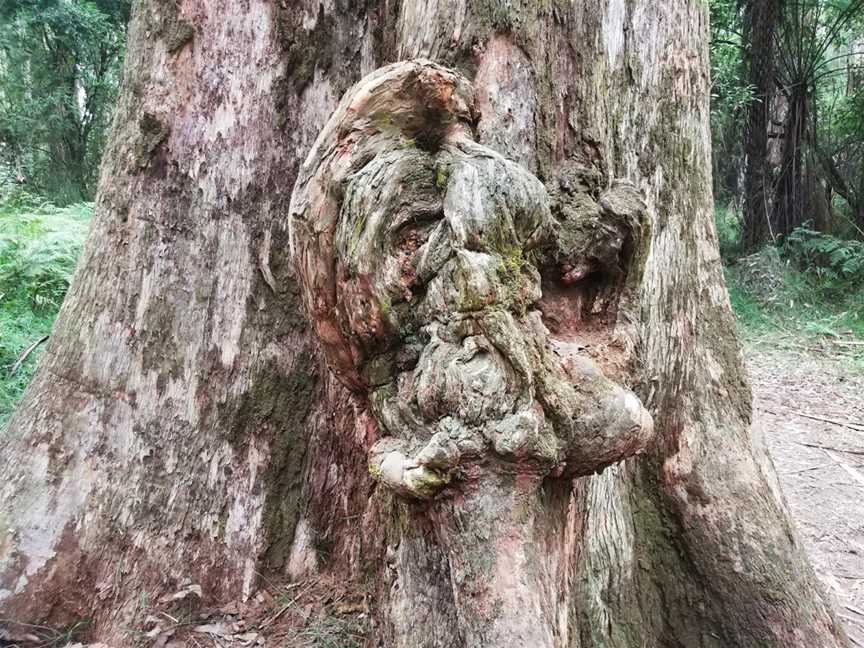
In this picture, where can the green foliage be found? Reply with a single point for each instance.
(39, 246)
(728, 224)
(774, 297)
(836, 264)
(749, 310)
(59, 75)
(19, 327)
(841, 102)
(730, 95)
(816, 113)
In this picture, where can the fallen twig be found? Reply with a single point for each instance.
(24, 355)
(855, 577)
(803, 470)
(824, 447)
(285, 607)
(854, 474)
(847, 424)
(851, 620)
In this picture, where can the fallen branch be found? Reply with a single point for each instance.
(847, 424)
(854, 474)
(823, 447)
(24, 355)
(285, 607)
(849, 342)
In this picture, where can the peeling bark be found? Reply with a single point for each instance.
(187, 423)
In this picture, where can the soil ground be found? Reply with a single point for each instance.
(820, 463)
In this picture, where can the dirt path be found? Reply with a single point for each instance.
(821, 464)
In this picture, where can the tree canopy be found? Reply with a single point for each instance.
(59, 75)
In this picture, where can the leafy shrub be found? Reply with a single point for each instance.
(39, 246)
(728, 226)
(836, 263)
(793, 294)
(762, 276)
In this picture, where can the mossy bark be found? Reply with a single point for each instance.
(161, 438)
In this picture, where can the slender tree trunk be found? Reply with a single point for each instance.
(791, 195)
(762, 18)
(186, 423)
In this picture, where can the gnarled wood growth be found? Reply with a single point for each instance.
(420, 253)
(186, 423)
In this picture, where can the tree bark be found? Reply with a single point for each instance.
(762, 19)
(792, 191)
(188, 423)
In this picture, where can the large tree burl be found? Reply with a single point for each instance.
(420, 255)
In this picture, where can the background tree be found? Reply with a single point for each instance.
(59, 73)
(731, 97)
(183, 425)
(761, 20)
(789, 64)
(840, 145)
(809, 30)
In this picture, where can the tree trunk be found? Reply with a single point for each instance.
(187, 423)
(762, 18)
(791, 195)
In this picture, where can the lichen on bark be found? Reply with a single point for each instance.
(420, 255)
(463, 251)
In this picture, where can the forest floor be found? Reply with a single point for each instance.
(809, 398)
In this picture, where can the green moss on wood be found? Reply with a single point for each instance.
(280, 403)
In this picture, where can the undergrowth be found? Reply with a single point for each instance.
(327, 632)
(808, 288)
(775, 297)
(39, 247)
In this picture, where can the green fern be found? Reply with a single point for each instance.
(39, 247)
(837, 263)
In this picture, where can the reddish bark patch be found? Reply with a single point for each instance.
(592, 334)
(58, 595)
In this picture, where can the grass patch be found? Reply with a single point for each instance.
(39, 247)
(773, 300)
(327, 632)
